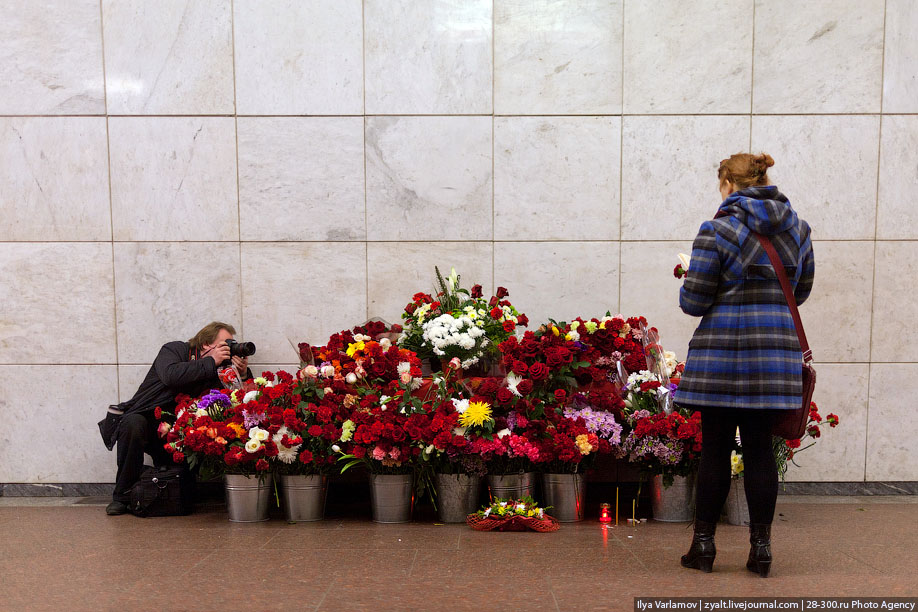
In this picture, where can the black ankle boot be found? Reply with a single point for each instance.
(701, 554)
(760, 551)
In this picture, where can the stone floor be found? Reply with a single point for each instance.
(66, 554)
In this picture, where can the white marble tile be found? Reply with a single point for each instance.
(687, 56)
(897, 216)
(823, 56)
(891, 426)
(49, 432)
(669, 172)
(51, 58)
(58, 303)
(428, 57)
(827, 167)
(839, 453)
(299, 57)
(174, 178)
(556, 178)
(398, 270)
(172, 57)
(301, 178)
(301, 292)
(559, 280)
(835, 316)
(894, 334)
(900, 65)
(130, 376)
(429, 172)
(648, 288)
(167, 291)
(556, 58)
(54, 179)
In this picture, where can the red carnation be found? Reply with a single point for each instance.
(261, 465)
(496, 313)
(538, 371)
(832, 420)
(158, 413)
(306, 456)
(315, 431)
(502, 292)
(359, 452)
(509, 326)
(178, 456)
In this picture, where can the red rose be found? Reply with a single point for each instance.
(522, 320)
(520, 367)
(493, 301)
(504, 395)
(261, 465)
(524, 386)
(476, 291)
(508, 327)
(410, 308)
(396, 329)
(502, 292)
(560, 394)
(538, 371)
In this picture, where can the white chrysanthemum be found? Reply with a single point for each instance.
(575, 336)
(286, 454)
(503, 433)
(512, 381)
(459, 431)
(251, 396)
(461, 405)
(403, 367)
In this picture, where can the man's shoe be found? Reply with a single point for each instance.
(116, 507)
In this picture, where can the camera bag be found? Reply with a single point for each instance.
(163, 491)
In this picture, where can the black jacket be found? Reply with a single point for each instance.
(174, 371)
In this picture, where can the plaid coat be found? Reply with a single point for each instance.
(745, 353)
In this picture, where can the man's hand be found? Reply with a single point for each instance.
(241, 364)
(220, 353)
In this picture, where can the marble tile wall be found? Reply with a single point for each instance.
(295, 167)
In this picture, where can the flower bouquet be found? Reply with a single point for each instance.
(458, 322)
(660, 443)
(787, 450)
(513, 515)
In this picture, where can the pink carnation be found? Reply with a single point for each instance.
(379, 454)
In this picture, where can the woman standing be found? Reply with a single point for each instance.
(744, 360)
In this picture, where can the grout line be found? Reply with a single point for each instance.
(331, 583)
(876, 229)
(622, 114)
(752, 78)
(238, 191)
(621, 166)
(508, 241)
(366, 210)
(493, 160)
(111, 211)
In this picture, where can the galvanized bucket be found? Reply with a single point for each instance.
(736, 506)
(247, 497)
(457, 496)
(391, 497)
(675, 504)
(304, 497)
(513, 486)
(565, 494)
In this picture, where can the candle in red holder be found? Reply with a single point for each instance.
(605, 515)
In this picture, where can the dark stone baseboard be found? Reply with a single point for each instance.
(214, 489)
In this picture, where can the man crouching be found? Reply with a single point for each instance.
(180, 368)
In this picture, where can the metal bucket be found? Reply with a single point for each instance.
(391, 497)
(304, 497)
(736, 506)
(513, 486)
(565, 494)
(457, 497)
(247, 497)
(675, 504)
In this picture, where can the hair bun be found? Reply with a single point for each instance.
(766, 160)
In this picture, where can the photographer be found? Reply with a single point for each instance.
(181, 367)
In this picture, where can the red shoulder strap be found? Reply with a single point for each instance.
(778, 265)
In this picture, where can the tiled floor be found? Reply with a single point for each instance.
(66, 554)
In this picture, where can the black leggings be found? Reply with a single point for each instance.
(718, 430)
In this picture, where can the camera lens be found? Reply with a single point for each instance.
(241, 349)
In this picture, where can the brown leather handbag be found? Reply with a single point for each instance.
(791, 424)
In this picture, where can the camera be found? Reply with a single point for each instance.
(240, 349)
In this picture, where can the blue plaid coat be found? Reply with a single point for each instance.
(745, 353)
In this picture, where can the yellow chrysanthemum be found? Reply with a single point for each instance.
(478, 413)
(353, 348)
(583, 443)
(239, 429)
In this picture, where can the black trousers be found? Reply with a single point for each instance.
(136, 436)
(718, 431)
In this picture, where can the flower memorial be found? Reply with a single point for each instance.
(513, 515)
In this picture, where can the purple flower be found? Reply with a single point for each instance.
(214, 398)
(251, 419)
